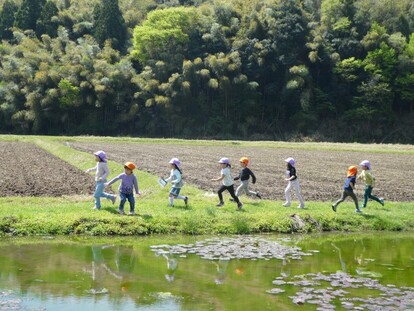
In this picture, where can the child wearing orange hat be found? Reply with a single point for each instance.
(129, 182)
(244, 176)
(349, 187)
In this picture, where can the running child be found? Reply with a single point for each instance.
(176, 182)
(129, 183)
(293, 181)
(228, 184)
(244, 176)
(369, 181)
(349, 187)
(101, 173)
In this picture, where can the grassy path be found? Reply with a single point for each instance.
(73, 214)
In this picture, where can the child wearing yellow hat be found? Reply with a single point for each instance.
(129, 182)
(348, 189)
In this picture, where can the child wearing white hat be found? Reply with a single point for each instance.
(293, 181)
(369, 181)
(228, 183)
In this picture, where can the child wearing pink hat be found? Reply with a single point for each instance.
(101, 173)
(293, 181)
(176, 182)
(369, 181)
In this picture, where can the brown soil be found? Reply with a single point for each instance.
(26, 170)
(321, 173)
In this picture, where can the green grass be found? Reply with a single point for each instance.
(73, 214)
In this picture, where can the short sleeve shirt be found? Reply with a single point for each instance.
(228, 180)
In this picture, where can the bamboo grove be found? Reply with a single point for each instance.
(333, 70)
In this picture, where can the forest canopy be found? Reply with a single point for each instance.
(328, 70)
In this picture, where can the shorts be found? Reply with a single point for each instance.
(175, 191)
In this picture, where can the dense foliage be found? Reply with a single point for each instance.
(261, 69)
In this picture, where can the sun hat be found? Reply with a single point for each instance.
(101, 155)
(175, 161)
(130, 165)
(366, 163)
(224, 161)
(352, 170)
(291, 161)
(244, 160)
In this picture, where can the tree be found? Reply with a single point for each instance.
(7, 19)
(28, 14)
(164, 36)
(110, 25)
(47, 22)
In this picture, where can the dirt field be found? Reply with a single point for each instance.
(26, 170)
(321, 173)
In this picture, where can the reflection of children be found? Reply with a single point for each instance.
(369, 181)
(292, 181)
(172, 264)
(348, 191)
(176, 182)
(129, 182)
(221, 267)
(244, 176)
(228, 184)
(101, 173)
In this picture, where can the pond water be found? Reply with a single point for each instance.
(267, 272)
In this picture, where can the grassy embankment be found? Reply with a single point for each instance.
(73, 214)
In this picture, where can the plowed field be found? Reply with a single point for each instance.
(26, 170)
(321, 173)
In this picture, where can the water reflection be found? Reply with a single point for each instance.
(125, 274)
(357, 264)
(117, 262)
(172, 263)
(221, 269)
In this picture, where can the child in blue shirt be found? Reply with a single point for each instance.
(348, 191)
(176, 182)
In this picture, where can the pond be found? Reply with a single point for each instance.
(265, 272)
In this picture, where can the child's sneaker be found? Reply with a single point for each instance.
(240, 205)
(358, 210)
(131, 213)
(220, 203)
(258, 195)
(186, 201)
(120, 211)
(334, 207)
(301, 206)
(382, 201)
(286, 204)
(113, 199)
(96, 208)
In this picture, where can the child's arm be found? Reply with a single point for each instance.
(136, 185)
(92, 169)
(352, 185)
(218, 179)
(238, 177)
(169, 178)
(112, 180)
(253, 177)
